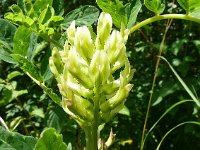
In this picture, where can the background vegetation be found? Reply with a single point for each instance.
(28, 110)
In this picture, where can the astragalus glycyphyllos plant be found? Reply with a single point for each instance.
(86, 74)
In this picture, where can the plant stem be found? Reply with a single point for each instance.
(153, 84)
(91, 132)
(91, 137)
(162, 17)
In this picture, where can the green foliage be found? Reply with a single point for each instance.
(189, 5)
(49, 139)
(7, 33)
(21, 46)
(8, 88)
(85, 15)
(156, 6)
(15, 141)
(28, 67)
(122, 15)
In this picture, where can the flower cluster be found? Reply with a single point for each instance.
(93, 71)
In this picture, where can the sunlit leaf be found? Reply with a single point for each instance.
(156, 6)
(7, 30)
(15, 141)
(189, 5)
(116, 9)
(50, 140)
(124, 111)
(85, 15)
(58, 6)
(195, 13)
(5, 56)
(135, 8)
(38, 112)
(22, 41)
(40, 5)
(55, 118)
(46, 15)
(13, 74)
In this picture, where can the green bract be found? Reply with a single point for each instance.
(86, 72)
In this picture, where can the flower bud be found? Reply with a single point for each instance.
(100, 68)
(54, 69)
(103, 29)
(75, 65)
(107, 116)
(65, 52)
(57, 60)
(71, 33)
(114, 45)
(124, 33)
(81, 107)
(78, 89)
(83, 43)
(116, 100)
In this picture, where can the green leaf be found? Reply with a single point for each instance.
(38, 48)
(28, 67)
(50, 140)
(16, 9)
(38, 112)
(15, 141)
(195, 13)
(44, 69)
(20, 3)
(135, 8)
(197, 43)
(40, 5)
(46, 15)
(22, 40)
(28, 7)
(58, 6)
(13, 74)
(194, 98)
(55, 118)
(51, 94)
(16, 94)
(56, 20)
(189, 5)
(85, 15)
(177, 45)
(5, 46)
(124, 111)
(7, 31)
(116, 9)
(5, 56)
(32, 46)
(156, 6)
